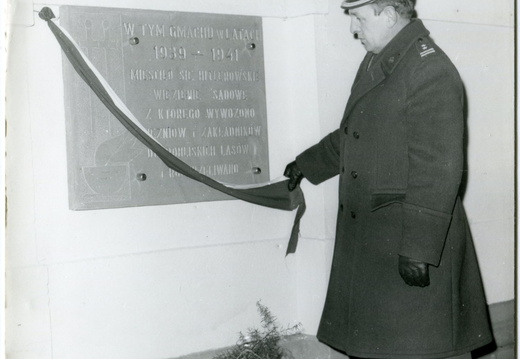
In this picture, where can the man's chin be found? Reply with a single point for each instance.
(365, 45)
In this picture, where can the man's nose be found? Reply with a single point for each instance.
(354, 29)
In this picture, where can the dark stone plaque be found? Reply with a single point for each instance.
(196, 83)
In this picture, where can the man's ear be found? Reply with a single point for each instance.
(391, 15)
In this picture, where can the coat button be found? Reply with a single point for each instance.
(341, 207)
(354, 174)
(353, 214)
(346, 130)
(356, 135)
(342, 169)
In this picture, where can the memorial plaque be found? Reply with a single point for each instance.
(196, 83)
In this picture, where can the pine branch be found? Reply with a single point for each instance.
(261, 344)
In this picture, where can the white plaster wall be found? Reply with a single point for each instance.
(162, 281)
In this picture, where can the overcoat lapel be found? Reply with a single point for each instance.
(383, 64)
(367, 80)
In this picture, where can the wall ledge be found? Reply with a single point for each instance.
(301, 346)
(502, 317)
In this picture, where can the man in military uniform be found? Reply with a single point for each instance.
(405, 281)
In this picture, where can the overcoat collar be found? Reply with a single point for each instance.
(401, 44)
(383, 64)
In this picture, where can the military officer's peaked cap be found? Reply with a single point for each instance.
(351, 4)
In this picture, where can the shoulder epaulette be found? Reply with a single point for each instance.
(424, 47)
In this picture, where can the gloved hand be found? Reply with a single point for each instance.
(292, 171)
(415, 273)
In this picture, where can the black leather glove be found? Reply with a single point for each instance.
(415, 273)
(292, 171)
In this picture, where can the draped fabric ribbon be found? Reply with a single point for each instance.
(273, 195)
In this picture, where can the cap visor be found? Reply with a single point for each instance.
(353, 4)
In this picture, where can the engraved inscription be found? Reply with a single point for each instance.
(239, 131)
(167, 132)
(226, 95)
(171, 94)
(194, 81)
(178, 113)
(229, 76)
(170, 53)
(226, 113)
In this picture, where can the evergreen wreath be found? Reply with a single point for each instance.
(261, 343)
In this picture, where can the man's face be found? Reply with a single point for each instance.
(371, 29)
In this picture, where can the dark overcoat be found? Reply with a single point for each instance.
(399, 155)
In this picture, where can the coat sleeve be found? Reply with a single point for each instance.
(321, 161)
(435, 130)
